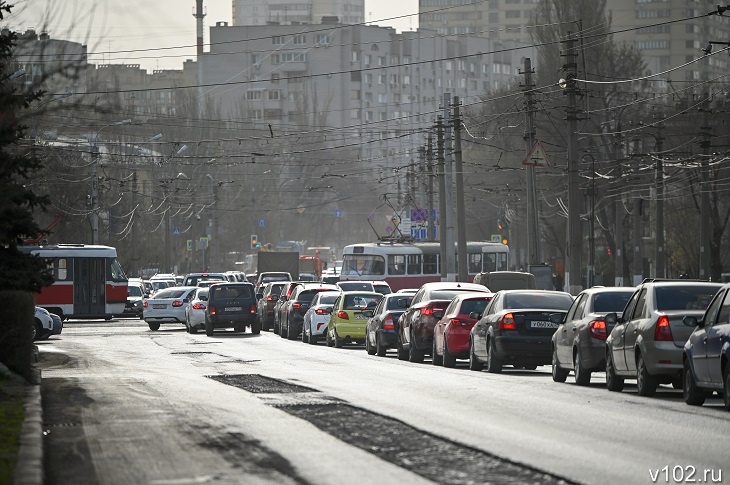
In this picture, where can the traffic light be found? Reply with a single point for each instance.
(254, 241)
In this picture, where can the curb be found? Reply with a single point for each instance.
(29, 465)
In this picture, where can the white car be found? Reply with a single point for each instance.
(167, 306)
(318, 316)
(195, 311)
(43, 326)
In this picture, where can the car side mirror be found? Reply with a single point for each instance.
(557, 318)
(692, 321)
(328, 310)
(612, 319)
(368, 313)
(475, 315)
(402, 302)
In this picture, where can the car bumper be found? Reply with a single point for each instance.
(225, 321)
(662, 358)
(164, 318)
(593, 355)
(317, 327)
(351, 330)
(537, 350)
(387, 337)
(457, 340)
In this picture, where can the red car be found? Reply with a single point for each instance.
(451, 333)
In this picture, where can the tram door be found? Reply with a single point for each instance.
(89, 286)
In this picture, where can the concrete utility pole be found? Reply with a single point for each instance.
(705, 191)
(430, 216)
(135, 250)
(575, 235)
(95, 196)
(449, 184)
(442, 192)
(422, 188)
(533, 216)
(463, 272)
(659, 259)
(168, 228)
(638, 261)
(618, 155)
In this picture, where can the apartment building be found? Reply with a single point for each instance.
(263, 12)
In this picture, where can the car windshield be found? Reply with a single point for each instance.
(230, 292)
(610, 302)
(355, 285)
(695, 297)
(477, 305)
(447, 294)
(134, 290)
(536, 300)
(393, 302)
(359, 302)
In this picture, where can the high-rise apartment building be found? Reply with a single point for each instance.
(263, 12)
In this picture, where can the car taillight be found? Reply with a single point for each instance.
(320, 311)
(507, 322)
(343, 315)
(198, 306)
(212, 310)
(177, 303)
(144, 304)
(388, 323)
(663, 331)
(427, 310)
(598, 329)
(456, 321)
(297, 306)
(269, 299)
(253, 309)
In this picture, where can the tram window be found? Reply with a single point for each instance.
(61, 269)
(414, 264)
(501, 261)
(475, 263)
(117, 272)
(430, 264)
(489, 262)
(396, 264)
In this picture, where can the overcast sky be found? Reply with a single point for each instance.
(138, 32)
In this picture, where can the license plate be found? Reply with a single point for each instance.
(360, 317)
(233, 309)
(158, 306)
(543, 325)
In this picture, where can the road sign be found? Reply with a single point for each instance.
(301, 208)
(189, 244)
(496, 238)
(419, 214)
(418, 232)
(176, 231)
(203, 242)
(262, 223)
(537, 156)
(338, 213)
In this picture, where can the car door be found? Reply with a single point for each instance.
(565, 334)
(633, 328)
(618, 334)
(698, 339)
(409, 315)
(716, 337)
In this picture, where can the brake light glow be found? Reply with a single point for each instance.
(177, 303)
(297, 306)
(461, 323)
(212, 310)
(507, 322)
(269, 299)
(253, 309)
(144, 304)
(343, 315)
(320, 311)
(598, 329)
(427, 310)
(388, 323)
(198, 306)
(663, 331)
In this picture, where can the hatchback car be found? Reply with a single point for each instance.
(318, 315)
(451, 333)
(382, 327)
(648, 340)
(167, 306)
(347, 321)
(579, 343)
(43, 325)
(195, 311)
(706, 359)
(516, 329)
(265, 304)
(231, 305)
(293, 310)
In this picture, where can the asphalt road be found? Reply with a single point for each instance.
(125, 405)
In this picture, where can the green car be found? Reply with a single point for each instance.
(347, 322)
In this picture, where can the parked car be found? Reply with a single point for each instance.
(57, 324)
(381, 330)
(347, 321)
(43, 326)
(167, 306)
(706, 359)
(135, 299)
(381, 287)
(265, 303)
(293, 310)
(231, 305)
(452, 332)
(285, 294)
(579, 343)
(194, 279)
(415, 333)
(195, 310)
(648, 340)
(516, 329)
(506, 280)
(318, 315)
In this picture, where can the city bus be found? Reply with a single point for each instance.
(410, 265)
(89, 281)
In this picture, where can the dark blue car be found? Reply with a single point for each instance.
(707, 352)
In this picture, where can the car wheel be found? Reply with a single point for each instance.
(276, 327)
(402, 352)
(474, 363)
(313, 339)
(193, 329)
(415, 355)
(693, 395)
(265, 325)
(256, 327)
(645, 383)
(330, 343)
(613, 381)
(283, 332)
(209, 329)
(582, 376)
(494, 366)
(380, 349)
(448, 359)
(37, 330)
(370, 349)
(153, 326)
(559, 374)
(436, 359)
(305, 338)
(337, 340)
(726, 387)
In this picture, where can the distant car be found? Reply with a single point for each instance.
(231, 305)
(57, 324)
(506, 280)
(330, 279)
(195, 310)
(167, 306)
(271, 276)
(381, 287)
(647, 342)
(307, 277)
(43, 326)
(706, 359)
(135, 299)
(516, 329)
(452, 332)
(579, 343)
(265, 305)
(318, 315)
(347, 322)
(382, 326)
(194, 279)
(285, 294)
(292, 313)
(408, 291)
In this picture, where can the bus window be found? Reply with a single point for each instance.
(414, 264)
(363, 264)
(430, 264)
(61, 269)
(117, 273)
(475, 263)
(396, 264)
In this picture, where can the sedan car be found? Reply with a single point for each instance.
(382, 327)
(318, 315)
(135, 300)
(292, 312)
(57, 324)
(451, 334)
(579, 344)
(706, 359)
(415, 333)
(285, 294)
(647, 343)
(516, 329)
(265, 304)
(347, 322)
(167, 306)
(195, 310)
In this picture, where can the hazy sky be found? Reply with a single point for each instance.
(138, 32)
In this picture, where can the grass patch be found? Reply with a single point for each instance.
(12, 414)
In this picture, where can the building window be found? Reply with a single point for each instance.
(322, 39)
(355, 114)
(274, 94)
(253, 94)
(355, 94)
(300, 39)
(278, 40)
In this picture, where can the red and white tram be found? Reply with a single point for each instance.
(89, 281)
(410, 265)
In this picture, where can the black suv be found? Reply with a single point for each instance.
(231, 305)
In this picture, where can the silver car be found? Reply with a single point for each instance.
(195, 310)
(648, 340)
(167, 306)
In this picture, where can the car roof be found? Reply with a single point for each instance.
(454, 285)
(373, 293)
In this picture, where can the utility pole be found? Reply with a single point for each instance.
(430, 216)
(135, 249)
(449, 184)
(638, 261)
(95, 197)
(214, 251)
(533, 221)
(659, 260)
(442, 192)
(463, 272)
(575, 240)
(705, 191)
(420, 177)
(618, 155)
(168, 229)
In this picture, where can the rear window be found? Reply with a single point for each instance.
(393, 302)
(355, 286)
(535, 300)
(269, 279)
(307, 295)
(382, 289)
(684, 297)
(359, 302)
(230, 292)
(327, 299)
(203, 293)
(134, 290)
(448, 294)
(276, 289)
(171, 293)
(195, 280)
(610, 302)
(468, 306)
